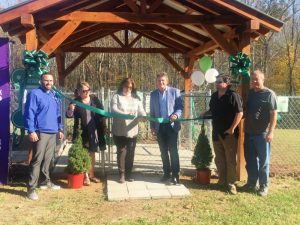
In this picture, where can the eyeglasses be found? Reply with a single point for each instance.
(85, 91)
(128, 87)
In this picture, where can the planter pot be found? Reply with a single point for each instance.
(75, 180)
(203, 176)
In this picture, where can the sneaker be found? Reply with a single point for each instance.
(49, 185)
(263, 191)
(95, 179)
(249, 188)
(174, 181)
(232, 189)
(32, 195)
(165, 178)
(86, 181)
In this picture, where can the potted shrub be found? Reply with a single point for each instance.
(202, 158)
(79, 163)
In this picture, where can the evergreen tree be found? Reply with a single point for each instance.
(202, 153)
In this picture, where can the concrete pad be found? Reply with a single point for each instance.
(159, 193)
(178, 191)
(136, 185)
(117, 195)
(151, 186)
(139, 194)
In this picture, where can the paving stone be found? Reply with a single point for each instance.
(151, 185)
(139, 194)
(159, 193)
(178, 191)
(117, 195)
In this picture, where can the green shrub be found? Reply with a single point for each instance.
(203, 156)
(79, 158)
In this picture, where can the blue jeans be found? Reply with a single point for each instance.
(257, 156)
(167, 141)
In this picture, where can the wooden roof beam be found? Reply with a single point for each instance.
(75, 63)
(162, 18)
(219, 39)
(210, 45)
(29, 8)
(155, 5)
(132, 5)
(123, 50)
(60, 36)
(135, 40)
(165, 41)
(117, 40)
(248, 12)
(173, 63)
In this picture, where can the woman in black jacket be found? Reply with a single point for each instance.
(93, 126)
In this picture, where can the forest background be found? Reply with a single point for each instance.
(276, 54)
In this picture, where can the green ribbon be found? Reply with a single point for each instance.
(36, 62)
(118, 115)
(240, 64)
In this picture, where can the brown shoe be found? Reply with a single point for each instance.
(122, 178)
(86, 181)
(95, 179)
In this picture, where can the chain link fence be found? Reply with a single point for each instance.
(285, 155)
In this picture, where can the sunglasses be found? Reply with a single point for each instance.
(219, 82)
(85, 91)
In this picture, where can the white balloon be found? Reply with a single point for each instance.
(210, 75)
(198, 78)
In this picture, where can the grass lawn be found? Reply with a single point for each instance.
(207, 205)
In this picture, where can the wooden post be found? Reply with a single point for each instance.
(243, 91)
(27, 20)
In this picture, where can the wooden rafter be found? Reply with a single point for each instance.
(164, 40)
(219, 39)
(173, 63)
(135, 40)
(117, 39)
(131, 4)
(155, 5)
(210, 45)
(248, 12)
(162, 18)
(76, 62)
(60, 36)
(123, 50)
(28, 8)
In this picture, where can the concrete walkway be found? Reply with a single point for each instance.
(146, 185)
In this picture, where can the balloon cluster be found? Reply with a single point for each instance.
(209, 74)
(35, 62)
(240, 65)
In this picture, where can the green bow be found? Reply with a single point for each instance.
(240, 65)
(36, 62)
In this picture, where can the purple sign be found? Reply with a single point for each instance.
(4, 109)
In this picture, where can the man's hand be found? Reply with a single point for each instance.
(229, 131)
(33, 137)
(60, 135)
(269, 136)
(173, 117)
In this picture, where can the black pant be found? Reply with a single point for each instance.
(167, 141)
(125, 153)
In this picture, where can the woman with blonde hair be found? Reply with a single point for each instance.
(125, 131)
(93, 125)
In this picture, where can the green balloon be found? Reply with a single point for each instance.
(205, 63)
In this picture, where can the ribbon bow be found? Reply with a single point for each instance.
(36, 62)
(240, 64)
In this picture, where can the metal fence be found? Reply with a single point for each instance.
(285, 155)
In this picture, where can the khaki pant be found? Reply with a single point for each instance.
(225, 158)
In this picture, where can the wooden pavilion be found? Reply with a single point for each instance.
(192, 28)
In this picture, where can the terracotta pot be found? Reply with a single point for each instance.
(203, 176)
(75, 180)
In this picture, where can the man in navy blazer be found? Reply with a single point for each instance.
(166, 102)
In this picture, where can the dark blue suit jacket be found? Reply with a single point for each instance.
(175, 106)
